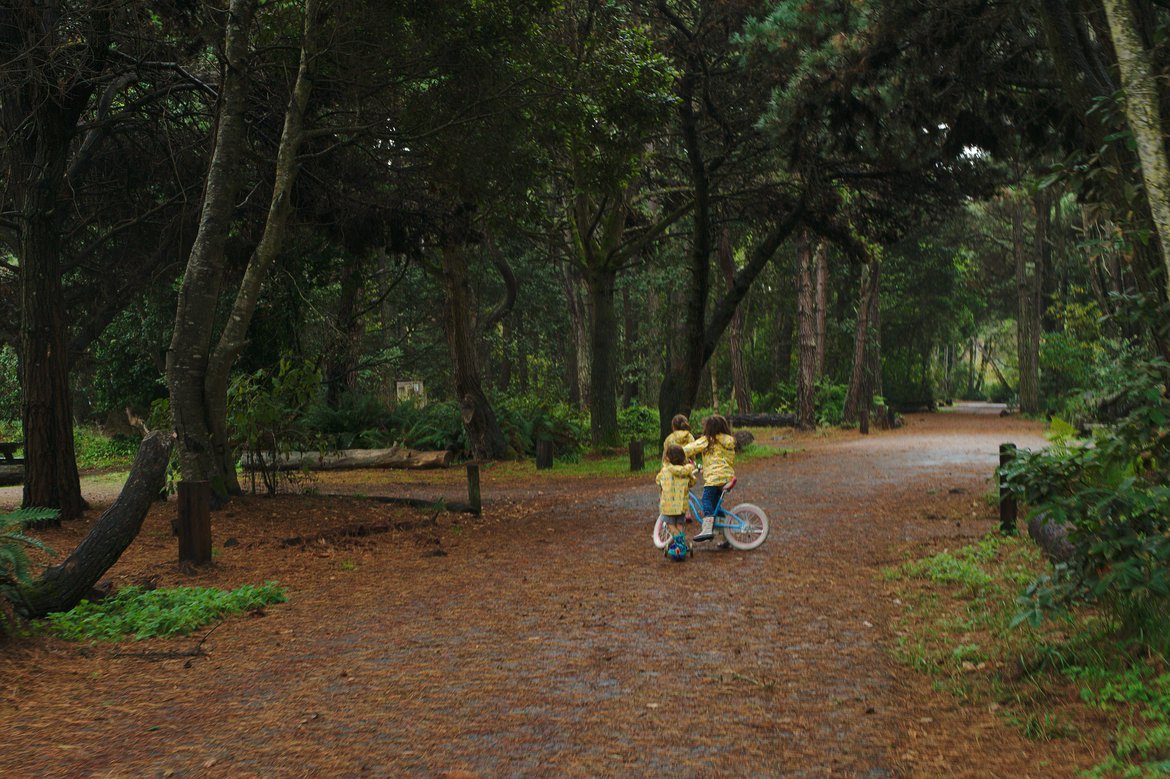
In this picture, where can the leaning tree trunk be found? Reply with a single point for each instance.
(62, 586)
(1142, 109)
(235, 331)
(806, 337)
(190, 349)
(484, 438)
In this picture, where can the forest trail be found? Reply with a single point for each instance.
(552, 640)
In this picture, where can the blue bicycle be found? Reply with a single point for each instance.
(745, 526)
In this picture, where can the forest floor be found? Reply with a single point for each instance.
(547, 637)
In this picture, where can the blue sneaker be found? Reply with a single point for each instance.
(678, 549)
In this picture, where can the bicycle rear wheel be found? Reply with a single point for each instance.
(661, 534)
(745, 526)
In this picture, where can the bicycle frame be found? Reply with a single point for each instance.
(695, 502)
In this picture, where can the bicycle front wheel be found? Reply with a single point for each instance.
(746, 526)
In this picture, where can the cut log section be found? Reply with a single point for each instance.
(395, 457)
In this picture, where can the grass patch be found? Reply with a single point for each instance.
(1066, 679)
(617, 465)
(139, 613)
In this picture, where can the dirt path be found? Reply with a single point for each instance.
(552, 640)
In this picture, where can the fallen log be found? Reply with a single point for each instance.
(762, 420)
(394, 457)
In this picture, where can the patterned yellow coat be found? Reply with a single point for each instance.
(681, 437)
(674, 481)
(718, 458)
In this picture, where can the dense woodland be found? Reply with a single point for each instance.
(247, 221)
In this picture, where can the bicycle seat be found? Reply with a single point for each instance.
(730, 485)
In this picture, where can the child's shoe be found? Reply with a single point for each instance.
(678, 549)
(721, 541)
(708, 531)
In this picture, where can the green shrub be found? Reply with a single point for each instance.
(638, 423)
(359, 420)
(13, 541)
(142, 613)
(9, 385)
(1114, 496)
(829, 401)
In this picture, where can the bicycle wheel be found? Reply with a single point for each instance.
(746, 526)
(661, 534)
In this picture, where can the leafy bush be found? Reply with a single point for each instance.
(525, 420)
(95, 450)
(829, 401)
(263, 416)
(638, 423)
(1114, 496)
(9, 384)
(359, 420)
(780, 399)
(142, 613)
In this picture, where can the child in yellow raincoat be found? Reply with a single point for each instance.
(717, 445)
(681, 435)
(674, 481)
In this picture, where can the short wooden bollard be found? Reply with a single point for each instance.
(544, 455)
(637, 455)
(1007, 501)
(473, 488)
(194, 525)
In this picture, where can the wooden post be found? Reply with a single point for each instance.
(637, 455)
(473, 487)
(1007, 501)
(194, 526)
(544, 455)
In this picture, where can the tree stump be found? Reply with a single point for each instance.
(637, 455)
(544, 455)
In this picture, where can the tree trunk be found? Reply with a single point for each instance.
(51, 479)
(1027, 337)
(739, 379)
(1143, 111)
(631, 373)
(822, 285)
(342, 358)
(579, 327)
(853, 399)
(61, 587)
(235, 331)
(806, 337)
(484, 438)
(603, 342)
(873, 343)
(190, 350)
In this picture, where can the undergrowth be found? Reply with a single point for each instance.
(1052, 681)
(140, 613)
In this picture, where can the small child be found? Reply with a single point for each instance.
(681, 435)
(717, 445)
(674, 480)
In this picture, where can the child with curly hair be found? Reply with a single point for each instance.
(717, 445)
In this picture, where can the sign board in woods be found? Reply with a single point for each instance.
(411, 391)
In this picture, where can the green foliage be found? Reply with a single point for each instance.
(142, 613)
(358, 421)
(9, 384)
(1115, 499)
(638, 423)
(829, 401)
(95, 450)
(13, 542)
(264, 409)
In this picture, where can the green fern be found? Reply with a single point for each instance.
(13, 541)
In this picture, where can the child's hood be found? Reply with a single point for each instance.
(679, 471)
(725, 440)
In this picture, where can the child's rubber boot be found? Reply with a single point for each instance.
(678, 549)
(708, 531)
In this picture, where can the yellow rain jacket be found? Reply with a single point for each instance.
(718, 458)
(674, 481)
(682, 438)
